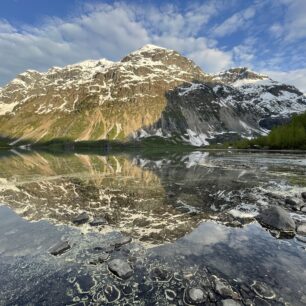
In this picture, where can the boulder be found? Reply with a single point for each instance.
(120, 268)
(60, 248)
(81, 218)
(277, 218)
(303, 194)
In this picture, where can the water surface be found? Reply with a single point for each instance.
(189, 214)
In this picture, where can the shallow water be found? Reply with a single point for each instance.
(190, 214)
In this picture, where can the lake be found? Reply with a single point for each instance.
(182, 227)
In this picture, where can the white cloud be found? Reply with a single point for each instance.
(109, 31)
(293, 26)
(235, 22)
(295, 77)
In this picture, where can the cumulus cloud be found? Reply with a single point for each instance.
(109, 31)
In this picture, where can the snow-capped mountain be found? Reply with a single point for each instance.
(152, 91)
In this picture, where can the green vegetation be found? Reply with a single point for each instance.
(291, 136)
(4, 144)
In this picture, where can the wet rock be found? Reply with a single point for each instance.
(301, 229)
(260, 302)
(98, 221)
(99, 259)
(301, 238)
(170, 295)
(277, 218)
(112, 293)
(303, 194)
(120, 268)
(121, 241)
(171, 194)
(263, 290)
(81, 219)
(224, 289)
(230, 302)
(195, 296)
(60, 248)
(160, 275)
(293, 204)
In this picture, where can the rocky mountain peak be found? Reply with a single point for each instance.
(151, 55)
(243, 74)
(153, 91)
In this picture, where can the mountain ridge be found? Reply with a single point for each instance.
(152, 91)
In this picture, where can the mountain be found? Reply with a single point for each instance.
(151, 92)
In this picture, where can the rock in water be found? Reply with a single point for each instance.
(294, 205)
(98, 221)
(224, 289)
(60, 248)
(277, 218)
(303, 194)
(81, 219)
(263, 290)
(121, 241)
(229, 302)
(120, 268)
(195, 296)
(301, 229)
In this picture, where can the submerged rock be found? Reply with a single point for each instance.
(224, 289)
(230, 302)
(121, 241)
(81, 218)
(263, 290)
(100, 258)
(161, 275)
(195, 296)
(277, 218)
(60, 248)
(120, 268)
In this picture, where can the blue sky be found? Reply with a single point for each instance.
(266, 35)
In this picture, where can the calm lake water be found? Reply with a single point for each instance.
(190, 216)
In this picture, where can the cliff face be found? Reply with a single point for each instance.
(152, 91)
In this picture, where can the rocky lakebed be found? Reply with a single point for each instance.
(139, 228)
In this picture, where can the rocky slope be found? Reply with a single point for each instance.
(152, 91)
